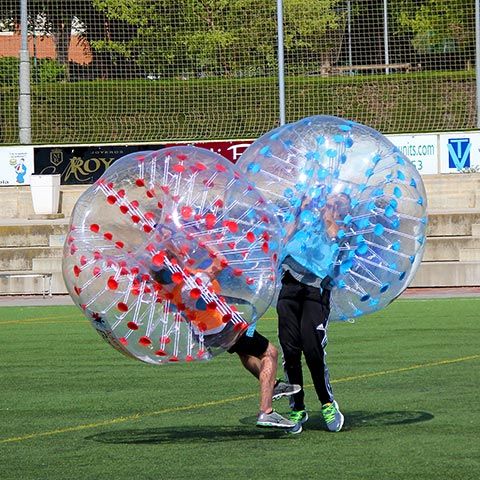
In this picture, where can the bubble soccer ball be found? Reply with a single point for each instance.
(352, 206)
(171, 255)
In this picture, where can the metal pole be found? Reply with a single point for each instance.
(477, 57)
(24, 116)
(385, 34)
(349, 27)
(281, 62)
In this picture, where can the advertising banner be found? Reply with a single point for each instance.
(422, 151)
(459, 152)
(16, 165)
(85, 164)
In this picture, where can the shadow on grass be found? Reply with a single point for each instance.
(353, 420)
(188, 433)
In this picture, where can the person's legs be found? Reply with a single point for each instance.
(314, 334)
(264, 367)
(260, 358)
(289, 310)
(314, 339)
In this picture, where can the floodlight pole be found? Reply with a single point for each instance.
(281, 62)
(24, 114)
(477, 57)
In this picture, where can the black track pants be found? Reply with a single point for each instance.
(301, 311)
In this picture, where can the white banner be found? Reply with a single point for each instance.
(421, 149)
(16, 165)
(459, 151)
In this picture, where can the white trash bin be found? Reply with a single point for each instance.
(45, 193)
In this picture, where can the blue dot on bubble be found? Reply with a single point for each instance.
(254, 167)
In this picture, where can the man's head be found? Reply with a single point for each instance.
(335, 209)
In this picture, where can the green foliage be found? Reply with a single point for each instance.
(50, 71)
(205, 38)
(9, 70)
(438, 26)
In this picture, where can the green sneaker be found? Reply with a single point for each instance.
(298, 417)
(333, 416)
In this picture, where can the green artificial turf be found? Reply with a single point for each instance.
(407, 379)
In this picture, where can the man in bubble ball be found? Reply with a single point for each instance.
(257, 354)
(303, 309)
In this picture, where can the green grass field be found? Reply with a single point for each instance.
(407, 379)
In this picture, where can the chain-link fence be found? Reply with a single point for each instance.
(142, 70)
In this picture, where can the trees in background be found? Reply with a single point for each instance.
(238, 38)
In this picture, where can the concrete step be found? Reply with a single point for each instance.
(33, 235)
(21, 258)
(475, 229)
(452, 223)
(469, 254)
(447, 274)
(443, 249)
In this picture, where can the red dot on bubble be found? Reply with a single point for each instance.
(237, 272)
(177, 277)
(121, 193)
(123, 307)
(238, 327)
(119, 244)
(111, 199)
(265, 247)
(134, 203)
(144, 341)
(135, 218)
(95, 227)
(220, 168)
(227, 317)
(107, 236)
(139, 182)
(210, 220)
(160, 353)
(188, 358)
(76, 270)
(250, 236)
(123, 341)
(132, 326)
(211, 306)
(123, 209)
(178, 168)
(195, 293)
(158, 259)
(232, 226)
(77, 290)
(96, 271)
(112, 284)
(147, 228)
(173, 358)
(186, 212)
(150, 193)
